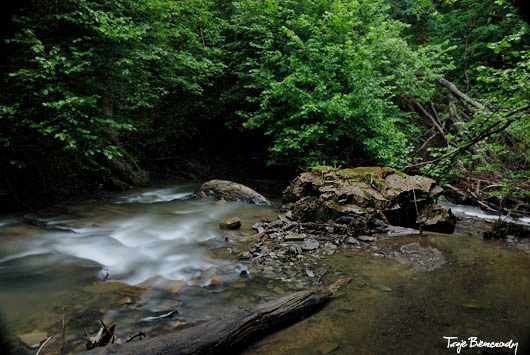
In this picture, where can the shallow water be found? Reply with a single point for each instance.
(54, 261)
(395, 308)
(388, 308)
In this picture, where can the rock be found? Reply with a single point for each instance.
(294, 237)
(243, 273)
(327, 347)
(471, 306)
(378, 224)
(397, 231)
(360, 197)
(352, 240)
(33, 339)
(437, 219)
(168, 305)
(344, 220)
(214, 282)
(276, 224)
(309, 244)
(231, 223)
(209, 273)
(427, 258)
(231, 191)
(507, 230)
(244, 256)
(366, 238)
(103, 274)
(175, 325)
(124, 300)
(382, 288)
(279, 290)
(309, 273)
(295, 249)
(159, 283)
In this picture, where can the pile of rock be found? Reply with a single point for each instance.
(326, 209)
(360, 195)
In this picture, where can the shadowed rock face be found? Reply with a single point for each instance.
(231, 191)
(367, 193)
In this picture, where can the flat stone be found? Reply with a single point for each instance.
(231, 223)
(366, 238)
(310, 244)
(277, 223)
(328, 347)
(279, 290)
(32, 339)
(382, 288)
(352, 240)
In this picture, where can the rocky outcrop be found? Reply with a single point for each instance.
(231, 191)
(366, 196)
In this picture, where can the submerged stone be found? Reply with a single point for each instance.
(231, 223)
(32, 339)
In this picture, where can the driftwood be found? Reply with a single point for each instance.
(104, 336)
(233, 331)
(138, 335)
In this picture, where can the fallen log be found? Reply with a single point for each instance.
(454, 90)
(233, 331)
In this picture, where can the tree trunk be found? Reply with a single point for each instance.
(231, 332)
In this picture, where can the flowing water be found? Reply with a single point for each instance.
(388, 308)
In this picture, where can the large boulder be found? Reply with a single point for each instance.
(231, 191)
(366, 194)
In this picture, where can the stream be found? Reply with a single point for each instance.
(167, 255)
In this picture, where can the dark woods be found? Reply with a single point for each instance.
(112, 94)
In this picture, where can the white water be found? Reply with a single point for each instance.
(138, 236)
(478, 213)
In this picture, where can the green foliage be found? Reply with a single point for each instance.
(89, 71)
(327, 81)
(322, 76)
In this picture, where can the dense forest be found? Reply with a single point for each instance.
(101, 94)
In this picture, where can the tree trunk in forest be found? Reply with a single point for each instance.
(234, 331)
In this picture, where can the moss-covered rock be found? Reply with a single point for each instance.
(326, 193)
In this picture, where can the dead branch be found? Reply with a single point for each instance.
(486, 133)
(140, 334)
(64, 330)
(43, 345)
(453, 89)
(434, 122)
